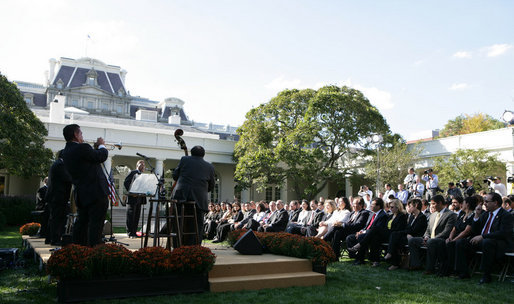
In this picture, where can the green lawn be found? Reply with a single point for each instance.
(345, 284)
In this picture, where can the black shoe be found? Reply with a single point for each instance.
(485, 279)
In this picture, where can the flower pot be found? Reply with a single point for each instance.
(75, 290)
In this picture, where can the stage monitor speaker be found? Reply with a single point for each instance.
(249, 244)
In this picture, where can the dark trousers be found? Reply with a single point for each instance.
(58, 212)
(45, 217)
(436, 253)
(133, 215)
(338, 235)
(88, 228)
(367, 241)
(491, 250)
(397, 240)
(222, 231)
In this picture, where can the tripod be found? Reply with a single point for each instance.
(112, 238)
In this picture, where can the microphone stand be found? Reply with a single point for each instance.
(112, 238)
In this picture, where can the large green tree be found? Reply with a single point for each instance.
(465, 124)
(396, 157)
(307, 137)
(22, 135)
(464, 164)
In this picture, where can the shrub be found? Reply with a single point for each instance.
(72, 261)
(17, 209)
(111, 259)
(153, 261)
(195, 259)
(30, 229)
(3, 221)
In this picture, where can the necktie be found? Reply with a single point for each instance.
(371, 222)
(435, 224)
(488, 225)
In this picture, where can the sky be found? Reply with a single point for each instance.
(420, 63)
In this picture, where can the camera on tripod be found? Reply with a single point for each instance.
(462, 184)
(488, 180)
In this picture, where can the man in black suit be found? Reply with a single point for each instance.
(248, 211)
(279, 222)
(440, 224)
(58, 195)
(195, 179)
(42, 205)
(134, 202)
(492, 232)
(359, 242)
(83, 163)
(339, 231)
(294, 211)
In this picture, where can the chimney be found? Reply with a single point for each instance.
(174, 119)
(123, 74)
(435, 133)
(57, 109)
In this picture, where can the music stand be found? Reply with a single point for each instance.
(144, 185)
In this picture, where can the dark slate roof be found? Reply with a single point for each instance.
(64, 73)
(116, 82)
(183, 115)
(166, 113)
(103, 83)
(79, 78)
(40, 100)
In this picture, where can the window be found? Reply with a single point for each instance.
(269, 194)
(28, 100)
(90, 104)
(119, 108)
(105, 106)
(277, 193)
(91, 81)
(216, 192)
(74, 102)
(60, 84)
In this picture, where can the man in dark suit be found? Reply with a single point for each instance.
(249, 212)
(42, 205)
(195, 179)
(134, 202)
(83, 163)
(440, 224)
(492, 232)
(339, 231)
(359, 242)
(279, 222)
(58, 195)
(294, 211)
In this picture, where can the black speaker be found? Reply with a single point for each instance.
(249, 244)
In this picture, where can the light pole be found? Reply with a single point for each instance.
(376, 139)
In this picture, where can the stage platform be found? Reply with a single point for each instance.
(231, 272)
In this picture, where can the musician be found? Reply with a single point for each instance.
(195, 179)
(58, 195)
(42, 205)
(83, 163)
(134, 202)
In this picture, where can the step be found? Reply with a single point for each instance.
(259, 266)
(263, 281)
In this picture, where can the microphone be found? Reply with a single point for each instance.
(143, 156)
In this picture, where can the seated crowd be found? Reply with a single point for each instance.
(447, 231)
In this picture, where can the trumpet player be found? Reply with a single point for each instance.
(91, 188)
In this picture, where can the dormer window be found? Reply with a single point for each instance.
(29, 98)
(92, 77)
(121, 92)
(60, 84)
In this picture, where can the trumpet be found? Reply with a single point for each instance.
(109, 146)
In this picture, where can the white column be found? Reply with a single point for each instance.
(159, 165)
(107, 165)
(348, 187)
(245, 195)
